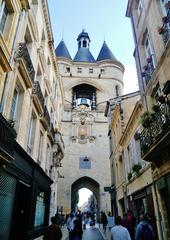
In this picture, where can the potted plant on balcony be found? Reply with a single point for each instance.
(137, 136)
(156, 108)
(129, 175)
(136, 168)
(146, 119)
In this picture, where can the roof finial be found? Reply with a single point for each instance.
(104, 36)
(83, 29)
(62, 35)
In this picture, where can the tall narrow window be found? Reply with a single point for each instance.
(14, 104)
(117, 90)
(54, 89)
(40, 148)
(3, 16)
(31, 134)
(48, 159)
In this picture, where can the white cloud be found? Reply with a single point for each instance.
(130, 79)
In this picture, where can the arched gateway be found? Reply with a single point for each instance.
(85, 182)
(88, 85)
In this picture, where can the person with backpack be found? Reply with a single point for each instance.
(144, 230)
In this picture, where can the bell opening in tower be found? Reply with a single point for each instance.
(84, 95)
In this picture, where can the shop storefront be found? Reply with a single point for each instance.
(24, 198)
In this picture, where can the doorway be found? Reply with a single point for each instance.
(21, 213)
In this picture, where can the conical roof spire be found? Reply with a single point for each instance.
(62, 51)
(105, 53)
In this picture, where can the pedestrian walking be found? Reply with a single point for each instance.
(53, 232)
(118, 232)
(77, 232)
(69, 222)
(104, 221)
(110, 221)
(144, 230)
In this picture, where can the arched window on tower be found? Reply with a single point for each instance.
(84, 94)
(84, 43)
(117, 90)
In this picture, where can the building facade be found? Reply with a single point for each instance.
(150, 25)
(88, 84)
(31, 145)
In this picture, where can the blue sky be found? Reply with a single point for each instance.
(102, 19)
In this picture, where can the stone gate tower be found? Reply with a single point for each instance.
(88, 84)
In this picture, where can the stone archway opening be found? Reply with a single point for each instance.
(90, 184)
(87, 201)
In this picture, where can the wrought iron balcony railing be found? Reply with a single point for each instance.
(24, 54)
(7, 138)
(37, 91)
(47, 116)
(165, 29)
(156, 129)
(148, 70)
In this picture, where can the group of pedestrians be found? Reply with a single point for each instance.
(126, 228)
(120, 228)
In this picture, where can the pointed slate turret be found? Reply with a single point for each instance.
(62, 51)
(83, 54)
(105, 53)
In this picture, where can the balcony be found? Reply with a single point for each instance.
(7, 138)
(46, 118)
(148, 70)
(38, 97)
(165, 29)
(25, 64)
(155, 137)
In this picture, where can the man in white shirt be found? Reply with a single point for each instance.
(119, 232)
